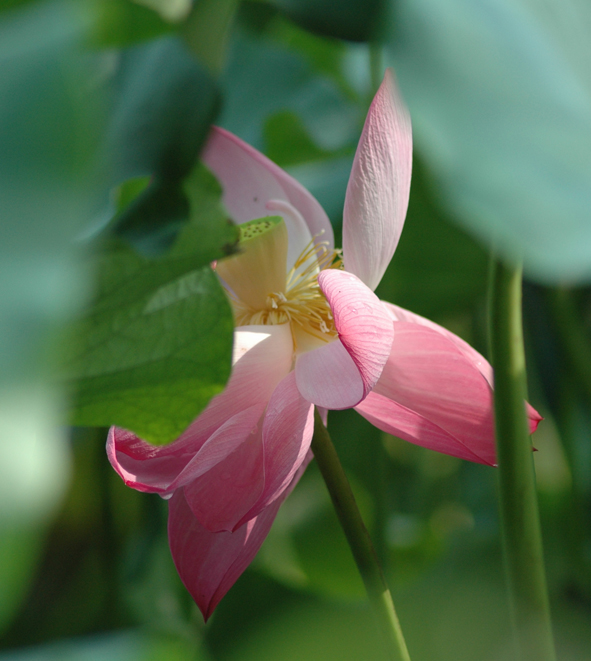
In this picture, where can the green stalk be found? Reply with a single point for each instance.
(358, 539)
(522, 539)
(206, 31)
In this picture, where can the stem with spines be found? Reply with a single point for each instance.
(358, 538)
(520, 521)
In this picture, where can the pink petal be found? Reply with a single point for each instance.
(221, 444)
(287, 433)
(263, 355)
(306, 204)
(340, 374)
(141, 465)
(398, 420)
(534, 418)
(328, 377)
(479, 361)
(250, 180)
(431, 394)
(220, 497)
(379, 186)
(400, 314)
(210, 563)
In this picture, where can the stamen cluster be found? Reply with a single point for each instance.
(303, 303)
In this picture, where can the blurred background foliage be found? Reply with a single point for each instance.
(107, 213)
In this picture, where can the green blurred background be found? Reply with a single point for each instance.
(106, 104)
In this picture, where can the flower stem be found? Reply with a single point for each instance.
(522, 539)
(358, 539)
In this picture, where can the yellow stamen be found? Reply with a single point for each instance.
(301, 303)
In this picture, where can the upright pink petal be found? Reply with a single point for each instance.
(337, 379)
(379, 186)
(250, 180)
(287, 433)
(429, 376)
(263, 355)
(209, 563)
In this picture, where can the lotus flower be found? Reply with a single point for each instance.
(309, 332)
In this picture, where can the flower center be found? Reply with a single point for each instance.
(297, 299)
(302, 303)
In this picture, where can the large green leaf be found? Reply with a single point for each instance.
(500, 96)
(165, 103)
(356, 20)
(264, 77)
(156, 345)
(153, 219)
(289, 143)
(124, 22)
(11, 4)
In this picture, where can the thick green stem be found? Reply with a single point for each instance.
(206, 31)
(359, 540)
(520, 520)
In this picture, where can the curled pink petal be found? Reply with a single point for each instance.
(379, 186)
(287, 433)
(479, 361)
(428, 374)
(328, 377)
(209, 563)
(325, 376)
(141, 465)
(400, 421)
(400, 314)
(263, 355)
(250, 180)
